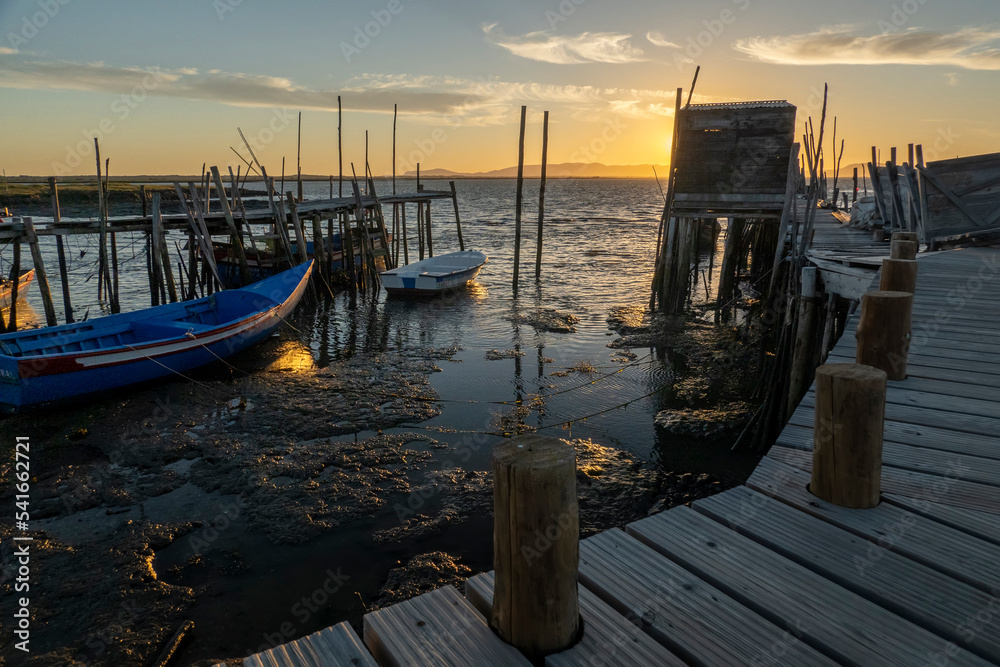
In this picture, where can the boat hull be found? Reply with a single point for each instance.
(174, 347)
(7, 288)
(434, 275)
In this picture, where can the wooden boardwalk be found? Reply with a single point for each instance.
(766, 573)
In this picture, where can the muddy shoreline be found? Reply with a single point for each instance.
(146, 506)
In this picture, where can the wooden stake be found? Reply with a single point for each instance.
(394, 149)
(156, 240)
(402, 221)
(847, 435)
(43, 280)
(300, 236)
(536, 543)
(340, 147)
(427, 220)
(234, 233)
(298, 157)
(63, 268)
(884, 331)
(518, 198)
(458, 220)
(898, 275)
(802, 352)
(15, 275)
(541, 196)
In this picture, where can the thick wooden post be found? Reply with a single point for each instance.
(536, 542)
(847, 435)
(898, 275)
(43, 280)
(903, 250)
(884, 331)
(518, 198)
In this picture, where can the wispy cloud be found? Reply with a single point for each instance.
(231, 88)
(428, 98)
(495, 101)
(6, 50)
(588, 47)
(656, 38)
(968, 48)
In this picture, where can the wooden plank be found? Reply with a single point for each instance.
(933, 371)
(957, 554)
(921, 436)
(982, 525)
(331, 647)
(932, 461)
(930, 386)
(609, 637)
(921, 485)
(913, 591)
(928, 416)
(693, 619)
(823, 614)
(436, 628)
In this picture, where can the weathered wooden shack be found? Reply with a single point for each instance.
(733, 160)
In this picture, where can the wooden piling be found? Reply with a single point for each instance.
(902, 249)
(236, 242)
(300, 237)
(541, 197)
(884, 331)
(518, 198)
(402, 222)
(847, 435)
(40, 275)
(63, 268)
(898, 275)
(156, 254)
(458, 219)
(536, 538)
(427, 221)
(15, 274)
(340, 147)
(802, 354)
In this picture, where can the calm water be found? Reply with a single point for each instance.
(598, 254)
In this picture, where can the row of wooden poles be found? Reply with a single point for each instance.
(519, 198)
(888, 198)
(199, 275)
(536, 510)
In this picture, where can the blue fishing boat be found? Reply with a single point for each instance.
(57, 363)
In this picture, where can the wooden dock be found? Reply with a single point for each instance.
(768, 574)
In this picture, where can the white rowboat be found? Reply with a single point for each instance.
(435, 274)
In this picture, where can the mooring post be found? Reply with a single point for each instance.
(847, 435)
(43, 280)
(518, 198)
(898, 275)
(536, 541)
(458, 220)
(541, 197)
(63, 268)
(884, 331)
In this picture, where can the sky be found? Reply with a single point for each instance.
(164, 85)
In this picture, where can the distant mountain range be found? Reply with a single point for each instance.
(562, 170)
